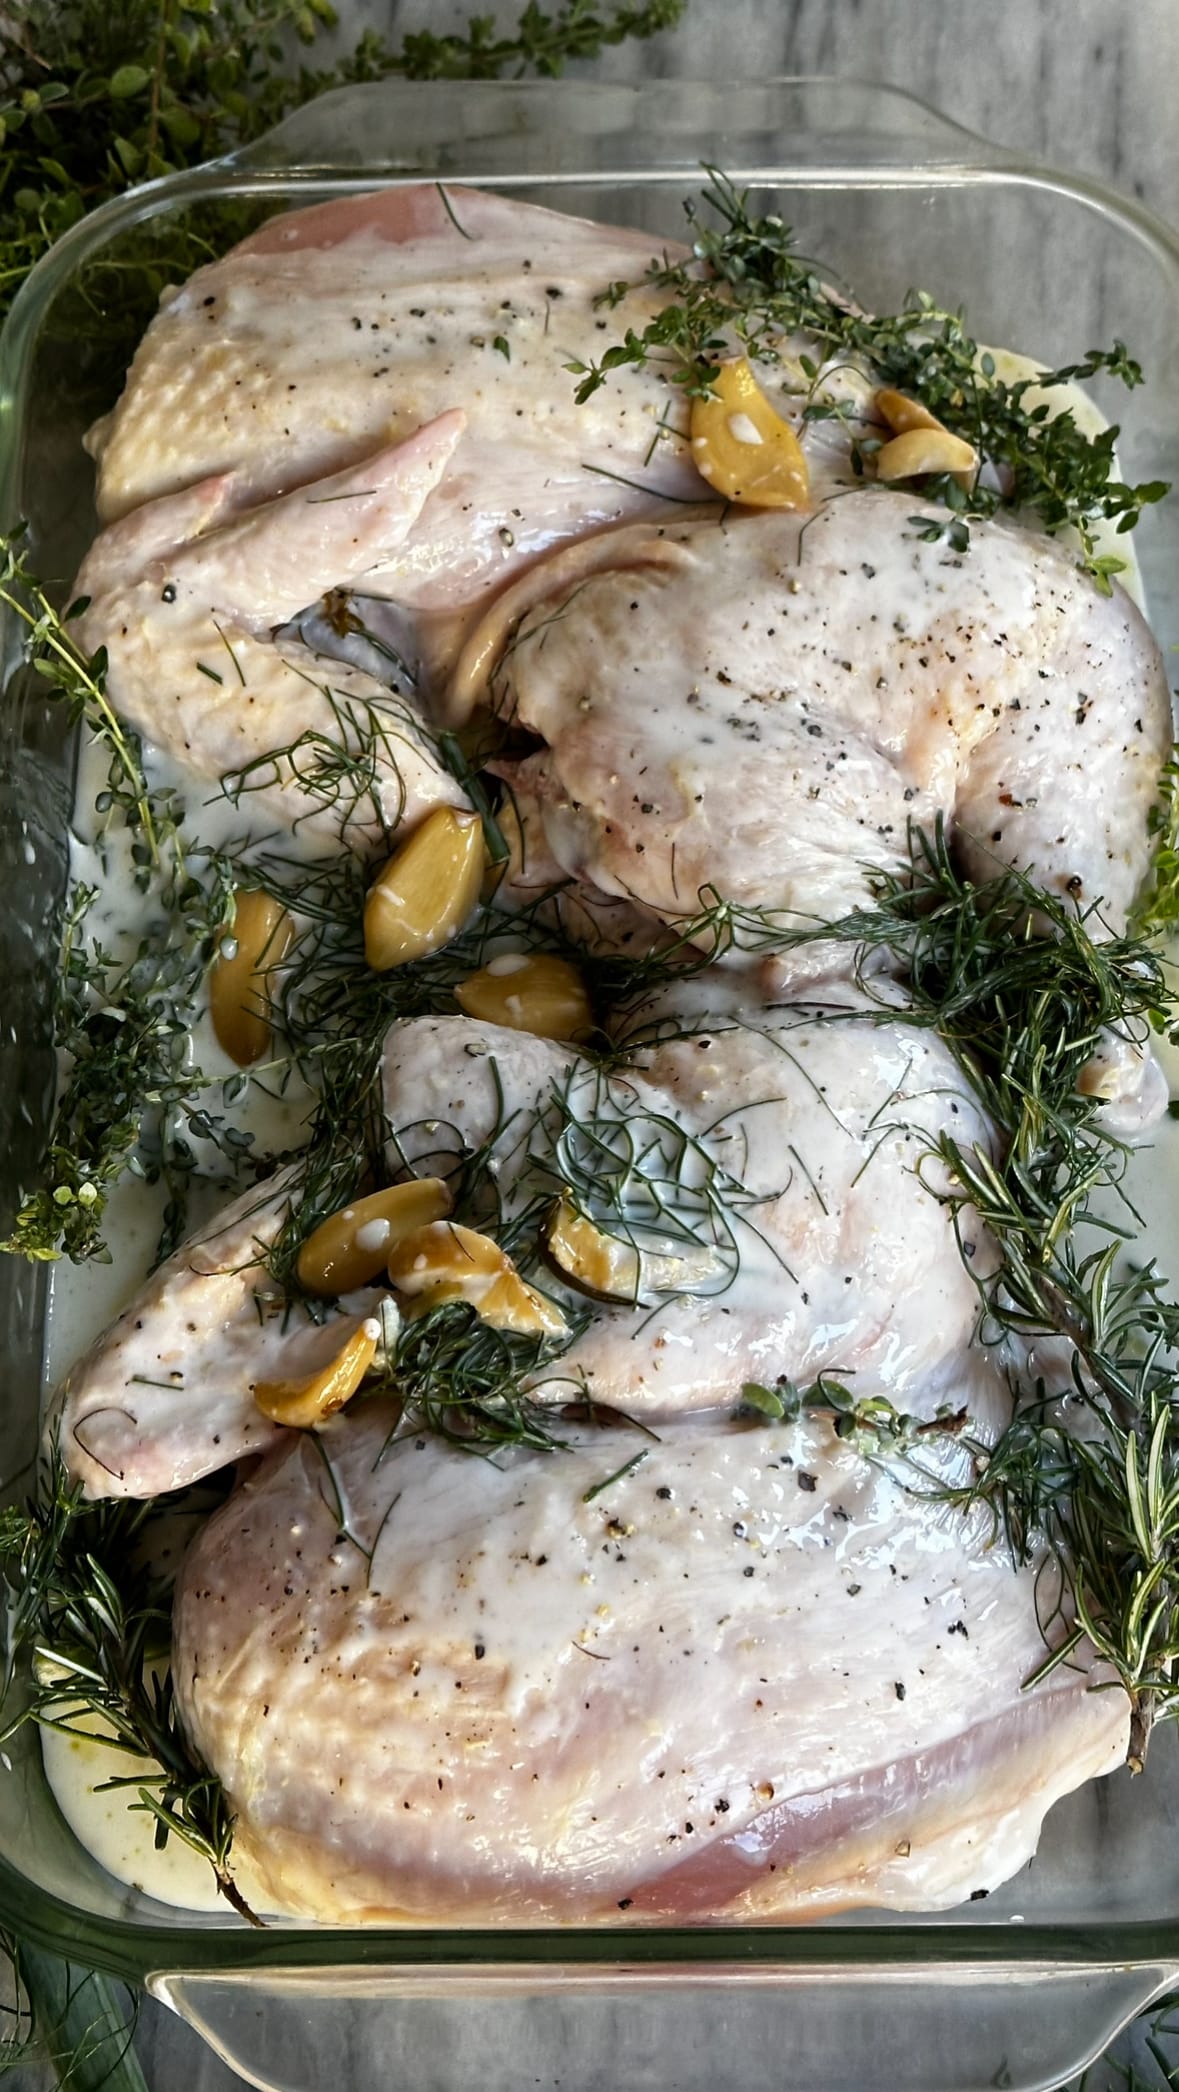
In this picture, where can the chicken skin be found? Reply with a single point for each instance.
(759, 1674)
(764, 717)
(795, 1142)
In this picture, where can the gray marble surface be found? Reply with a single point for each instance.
(1083, 84)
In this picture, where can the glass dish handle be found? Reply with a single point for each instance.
(507, 130)
(946, 2027)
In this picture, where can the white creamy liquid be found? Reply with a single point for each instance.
(85, 1298)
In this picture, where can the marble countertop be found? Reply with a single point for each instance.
(1085, 85)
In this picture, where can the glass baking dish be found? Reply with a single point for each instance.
(1019, 1990)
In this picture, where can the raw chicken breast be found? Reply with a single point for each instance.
(165, 1395)
(756, 1676)
(767, 714)
(334, 329)
(794, 1139)
(185, 595)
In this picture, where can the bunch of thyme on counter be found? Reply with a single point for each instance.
(95, 98)
(747, 286)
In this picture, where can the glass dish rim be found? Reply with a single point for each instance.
(138, 1948)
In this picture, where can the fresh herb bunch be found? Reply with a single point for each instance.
(78, 683)
(131, 1096)
(94, 98)
(91, 1610)
(464, 1381)
(1026, 991)
(130, 1093)
(747, 285)
(1157, 909)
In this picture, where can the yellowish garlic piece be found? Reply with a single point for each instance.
(743, 448)
(535, 992)
(258, 941)
(444, 1262)
(902, 413)
(426, 892)
(599, 1262)
(620, 1270)
(352, 1247)
(923, 450)
(312, 1398)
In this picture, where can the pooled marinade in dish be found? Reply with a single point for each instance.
(613, 1367)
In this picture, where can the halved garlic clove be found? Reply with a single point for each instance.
(534, 992)
(902, 413)
(352, 1247)
(924, 450)
(742, 447)
(599, 1262)
(445, 1262)
(621, 1270)
(426, 892)
(258, 941)
(312, 1398)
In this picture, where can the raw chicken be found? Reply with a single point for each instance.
(165, 1395)
(765, 716)
(794, 1143)
(333, 329)
(184, 595)
(754, 1676)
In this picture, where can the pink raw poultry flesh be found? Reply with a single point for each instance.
(705, 1668)
(752, 1678)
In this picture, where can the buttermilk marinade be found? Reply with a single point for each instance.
(610, 1002)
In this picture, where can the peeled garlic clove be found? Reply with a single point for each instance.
(924, 450)
(538, 993)
(742, 448)
(902, 413)
(311, 1399)
(605, 1264)
(352, 1247)
(259, 940)
(600, 1262)
(426, 892)
(445, 1262)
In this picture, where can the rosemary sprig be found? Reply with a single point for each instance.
(642, 1176)
(91, 1612)
(458, 1377)
(348, 764)
(747, 285)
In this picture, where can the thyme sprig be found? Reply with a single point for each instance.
(90, 1610)
(94, 98)
(1157, 909)
(131, 1095)
(78, 682)
(747, 286)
